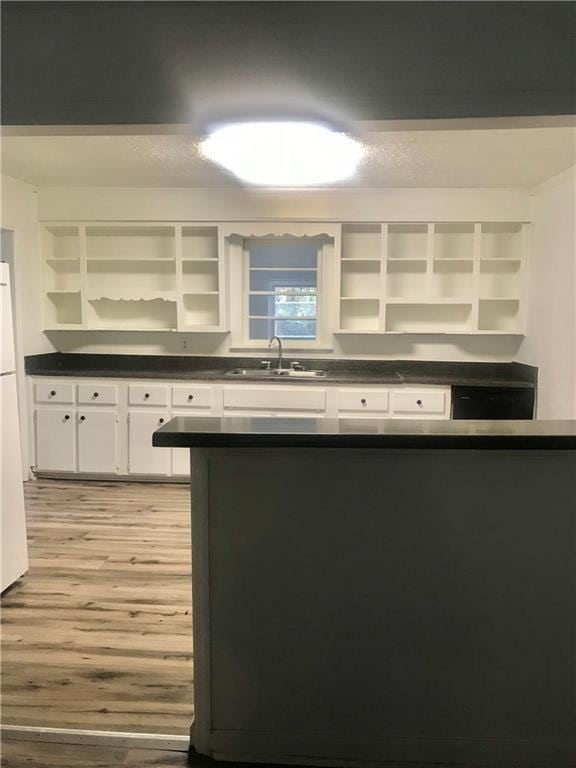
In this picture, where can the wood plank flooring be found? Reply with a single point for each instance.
(31, 754)
(98, 634)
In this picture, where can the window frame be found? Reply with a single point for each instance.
(322, 298)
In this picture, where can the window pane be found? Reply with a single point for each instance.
(283, 254)
(262, 329)
(295, 329)
(261, 306)
(295, 306)
(271, 281)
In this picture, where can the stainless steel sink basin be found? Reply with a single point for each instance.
(262, 373)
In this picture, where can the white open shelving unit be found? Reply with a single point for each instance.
(449, 277)
(138, 277)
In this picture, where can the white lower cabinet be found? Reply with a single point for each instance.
(97, 441)
(105, 427)
(143, 458)
(55, 439)
(181, 462)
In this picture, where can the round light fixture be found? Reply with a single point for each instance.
(283, 154)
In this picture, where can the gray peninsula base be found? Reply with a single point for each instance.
(355, 606)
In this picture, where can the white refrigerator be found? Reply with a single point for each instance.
(14, 546)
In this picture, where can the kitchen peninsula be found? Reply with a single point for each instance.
(374, 589)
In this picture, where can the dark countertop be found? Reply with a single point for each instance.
(343, 372)
(258, 432)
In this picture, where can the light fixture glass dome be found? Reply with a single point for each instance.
(283, 154)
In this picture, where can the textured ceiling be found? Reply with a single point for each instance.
(520, 157)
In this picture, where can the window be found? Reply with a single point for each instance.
(282, 296)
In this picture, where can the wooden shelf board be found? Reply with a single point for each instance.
(359, 298)
(447, 301)
(400, 259)
(500, 261)
(363, 259)
(131, 329)
(66, 327)
(128, 260)
(500, 298)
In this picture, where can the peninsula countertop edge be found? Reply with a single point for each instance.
(311, 432)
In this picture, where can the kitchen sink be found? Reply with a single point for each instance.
(263, 373)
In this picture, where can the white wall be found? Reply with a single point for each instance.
(20, 215)
(97, 204)
(113, 203)
(551, 312)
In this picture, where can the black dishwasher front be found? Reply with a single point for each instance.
(492, 402)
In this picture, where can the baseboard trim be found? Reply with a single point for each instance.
(46, 475)
(166, 742)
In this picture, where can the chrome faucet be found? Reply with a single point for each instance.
(272, 340)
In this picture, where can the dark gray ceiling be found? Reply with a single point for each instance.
(163, 62)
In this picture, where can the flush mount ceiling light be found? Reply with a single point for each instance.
(283, 154)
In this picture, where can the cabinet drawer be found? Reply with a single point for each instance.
(192, 397)
(362, 400)
(274, 399)
(97, 394)
(419, 402)
(148, 394)
(54, 392)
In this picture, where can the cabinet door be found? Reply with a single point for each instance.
(181, 456)
(181, 462)
(97, 441)
(55, 440)
(143, 458)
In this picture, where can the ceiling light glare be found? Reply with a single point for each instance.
(283, 154)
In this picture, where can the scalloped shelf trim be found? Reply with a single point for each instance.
(169, 298)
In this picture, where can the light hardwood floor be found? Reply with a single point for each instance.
(98, 634)
(23, 754)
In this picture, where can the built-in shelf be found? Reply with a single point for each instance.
(361, 242)
(407, 241)
(430, 317)
(200, 243)
(453, 241)
(443, 277)
(120, 276)
(498, 315)
(125, 314)
(393, 277)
